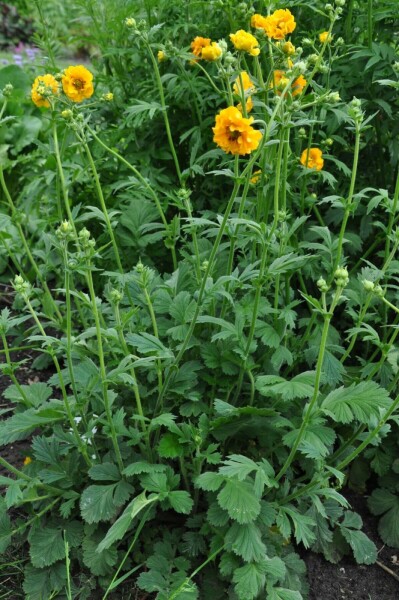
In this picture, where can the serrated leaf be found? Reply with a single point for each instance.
(99, 563)
(364, 550)
(46, 546)
(210, 482)
(239, 500)
(249, 581)
(361, 401)
(279, 593)
(97, 503)
(246, 541)
(141, 466)
(42, 583)
(122, 524)
(383, 501)
(104, 472)
(239, 466)
(180, 501)
(169, 446)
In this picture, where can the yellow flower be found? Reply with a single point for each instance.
(258, 21)
(312, 158)
(43, 87)
(211, 52)
(27, 461)
(198, 44)
(280, 24)
(161, 56)
(248, 105)
(77, 83)
(243, 40)
(280, 81)
(255, 177)
(234, 133)
(288, 48)
(324, 37)
(246, 82)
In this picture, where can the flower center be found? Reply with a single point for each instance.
(233, 135)
(78, 84)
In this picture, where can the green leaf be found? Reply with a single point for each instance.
(279, 593)
(21, 425)
(303, 526)
(361, 401)
(181, 501)
(5, 527)
(300, 386)
(141, 466)
(383, 501)
(36, 393)
(44, 583)
(122, 524)
(46, 546)
(97, 503)
(246, 541)
(148, 344)
(105, 472)
(100, 563)
(169, 446)
(238, 466)
(238, 498)
(249, 581)
(364, 550)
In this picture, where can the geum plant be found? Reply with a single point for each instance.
(201, 420)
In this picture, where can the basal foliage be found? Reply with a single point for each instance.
(203, 246)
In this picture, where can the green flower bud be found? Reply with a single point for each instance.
(115, 296)
(322, 285)
(378, 291)
(130, 22)
(368, 285)
(7, 90)
(21, 286)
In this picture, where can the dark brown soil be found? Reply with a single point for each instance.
(348, 580)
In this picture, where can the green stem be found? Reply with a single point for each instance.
(11, 373)
(348, 205)
(164, 111)
(72, 423)
(312, 403)
(26, 246)
(176, 593)
(103, 205)
(103, 372)
(144, 183)
(370, 24)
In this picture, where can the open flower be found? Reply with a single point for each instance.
(44, 87)
(211, 52)
(234, 133)
(77, 83)
(312, 158)
(245, 41)
(280, 81)
(280, 24)
(198, 44)
(325, 37)
(258, 21)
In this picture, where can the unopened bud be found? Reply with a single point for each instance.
(7, 90)
(368, 285)
(378, 291)
(67, 114)
(322, 285)
(108, 97)
(130, 22)
(116, 296)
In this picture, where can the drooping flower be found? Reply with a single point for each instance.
(248, 105)
(198, 44)
(246, 82)
(312, 158)
(245, 41)
(280, 81)
(234, 133)
(77, 83)
(279, 24)
(324, 37)
(211, 52)
(43, 87)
